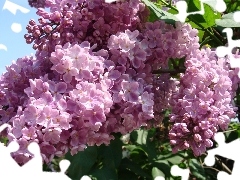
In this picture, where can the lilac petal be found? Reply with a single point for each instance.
(121, 69)
(133, 97)
(114, 74)
(85, 44)
(134, 86)
(62, 105)
(58, 54)
(47, 96)
(67, 77)
(86, 74)
(131, 72)
(17, 132)
(30, 112)
(71, 105)
(59, 68)
(150, 34)
(108, 64)
(61, 87)
(140, 55)
(99, 117)
(51, 86)
(122, 60)
(73, 71)
(149, 25)
(125, 85)
(136, 62)
(152, 43)
(146, 108)
(46, 148)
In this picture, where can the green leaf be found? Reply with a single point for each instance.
(152, 17)
(193, 5)
(105, 173)
(156, 172)
(150, 146)
(124, 174)
(142, 136)
(112, 154)
(82, 162)
(145, 140)
(164, 166)
(209, 16)
(133, 136)
(232, 5)
(134, 167)
(231, 136)
(175, 159)
(138, 155)
(171, 157)
(197, 170)
(227, 21)
(160, 13)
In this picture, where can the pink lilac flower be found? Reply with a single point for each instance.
(201, 106)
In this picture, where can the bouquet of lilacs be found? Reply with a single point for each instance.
(101, 68)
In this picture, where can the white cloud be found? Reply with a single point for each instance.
(16, 27)
(3, 47)
(12, 7)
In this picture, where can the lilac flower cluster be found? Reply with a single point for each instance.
(203, 103)
(132, 81)
(164, 41)
(93, 76)
(66, 113)
(80, 93)
(161, 42)
(82, 20)
(13, 83)
(233, 73)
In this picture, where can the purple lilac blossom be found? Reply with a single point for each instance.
(92, 76)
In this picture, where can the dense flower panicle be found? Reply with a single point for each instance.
(81, 88)
(80, 105)
(203, 103)
(93, 76)
(188, 40)
(163, 42)
(65, 115)
(13, 83)
(77, 21)
(233, 73)
(131, 81)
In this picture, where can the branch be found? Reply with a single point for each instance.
(223, 166)
(211, 168)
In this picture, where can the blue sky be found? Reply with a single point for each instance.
(14, 41)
